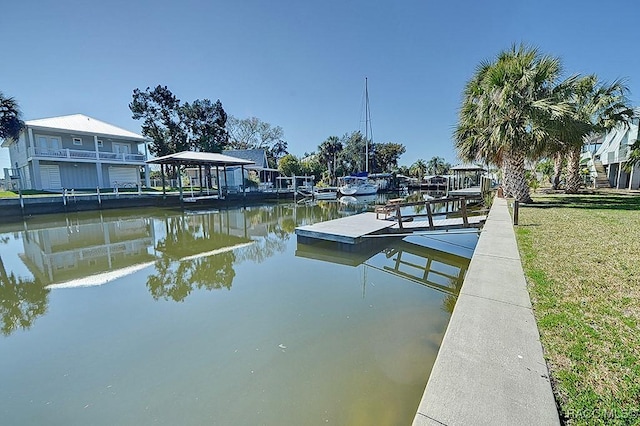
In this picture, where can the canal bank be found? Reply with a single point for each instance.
(490, 368)
(16, 209)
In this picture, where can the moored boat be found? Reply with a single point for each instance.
(325, 192)
(357, 185)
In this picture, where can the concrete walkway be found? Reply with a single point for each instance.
(490, 369)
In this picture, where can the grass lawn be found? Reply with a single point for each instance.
(581, 255)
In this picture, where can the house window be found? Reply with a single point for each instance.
(100, 144)
(48, 143)
(121, 148)
(77, 141)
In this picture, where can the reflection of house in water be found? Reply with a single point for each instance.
(93, 249)
(79, 248)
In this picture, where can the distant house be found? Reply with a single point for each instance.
(261, 167)
(607, 154)
(75, 151)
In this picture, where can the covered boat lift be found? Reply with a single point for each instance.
(199, 159)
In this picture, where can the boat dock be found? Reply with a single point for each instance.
(348, 230)
(389, 220)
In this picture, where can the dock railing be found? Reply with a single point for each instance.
(453, 207)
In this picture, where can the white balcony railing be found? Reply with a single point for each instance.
(77, 154)
(619, 156)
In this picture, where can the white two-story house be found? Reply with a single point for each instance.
(76, 152)
(607, 155)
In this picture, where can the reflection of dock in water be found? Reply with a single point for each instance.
(412, 258)
(426, 266)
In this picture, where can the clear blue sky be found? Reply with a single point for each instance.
(300, 65)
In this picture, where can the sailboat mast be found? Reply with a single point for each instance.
(366, 125)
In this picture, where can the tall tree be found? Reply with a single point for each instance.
(328, 153)
(252, 133)
(277, 150)
(312, 167)
(205, 125)
(509, 109)
(597, 107)
(418, 169)
(174, 126)
(289, 165)
(386, 156)
(352, 156)
(159, 110)
(10, 118)
(437, 166)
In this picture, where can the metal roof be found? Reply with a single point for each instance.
(467, 168)
(83, 124)
(200, 158)
(258, 156)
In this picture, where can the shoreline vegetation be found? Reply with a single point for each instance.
(580, 257)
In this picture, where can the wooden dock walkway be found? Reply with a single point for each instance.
(357, 228)
(389, 219)
(348, 230)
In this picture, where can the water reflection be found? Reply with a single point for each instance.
(81, 247)
(296, 341)
(185, 251)
(21, 301)
(419, 259)
(195, 251)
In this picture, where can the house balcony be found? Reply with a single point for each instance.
(619, 156)
(86, 156)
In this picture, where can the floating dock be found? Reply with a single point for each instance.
(347, 230)
(357, 228)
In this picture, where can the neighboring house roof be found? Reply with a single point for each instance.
(257, 156)
(83, 124)
(197, 158)
(612, 140)
(467, 168)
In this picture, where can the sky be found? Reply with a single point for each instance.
(296, 64)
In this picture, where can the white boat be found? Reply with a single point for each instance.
(357, 185)
(360, 184)
(325, 192)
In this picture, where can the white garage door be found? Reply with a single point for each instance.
(50, 176)
(123, 177)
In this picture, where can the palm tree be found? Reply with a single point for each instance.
(597, 107)
(418, 169)
(508, 110)
(10, 118)
(436, 166)
(328, 152)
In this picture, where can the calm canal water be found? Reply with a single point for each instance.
(217, 317)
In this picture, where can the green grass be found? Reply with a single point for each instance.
(581, 256)
(27, 192)
(32, 192)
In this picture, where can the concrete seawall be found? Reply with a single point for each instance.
(490, 368)
(10, 208)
